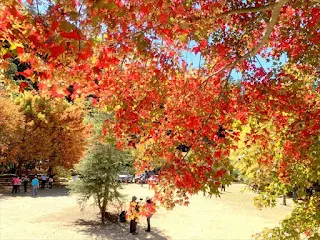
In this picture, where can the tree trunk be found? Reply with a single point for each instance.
(102, 208)
(19, 168)
(103, 214)
(284, 200)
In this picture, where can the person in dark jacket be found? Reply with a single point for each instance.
(25, 181)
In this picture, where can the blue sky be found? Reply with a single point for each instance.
(193, 59)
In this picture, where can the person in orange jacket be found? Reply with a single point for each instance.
(148, 210)
(133, 215)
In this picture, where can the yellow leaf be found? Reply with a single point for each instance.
(15, 45)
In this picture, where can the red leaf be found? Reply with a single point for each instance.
(44, 75)
(54, 25)
(94, 101)
(203, 43)
(119, 145)
(104, 131)
(290, 11)
(196, 50)
(15, 12)
(7, 55)
(56, 51)
(315, 127)
(163, 18)
(144, 10)
(85, 54)
(20, 50)
(217, 183)
(194, 122)
(41, 86)
(217, 154)
(71, 35)
(288, 145)
(26, 73)
(23, 85)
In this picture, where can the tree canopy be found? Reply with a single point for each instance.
(35, 128)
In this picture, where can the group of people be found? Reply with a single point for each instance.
(138, 209)
(16, 183)
(148, 177)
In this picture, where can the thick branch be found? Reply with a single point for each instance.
(273, 20)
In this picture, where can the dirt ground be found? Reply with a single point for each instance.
(56, 215)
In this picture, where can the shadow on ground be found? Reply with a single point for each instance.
(116, 231)
(58, 191)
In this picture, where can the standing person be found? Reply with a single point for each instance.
(25, 181)
(43, 181)
(15, 183)
(142, 179)
(149, 208)
(294, 194)
(75, 178)
(223, 187)
(133, 215)
(50, 182)
(35, 185)
(19, 184)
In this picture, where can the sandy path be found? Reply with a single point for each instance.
(56, 215)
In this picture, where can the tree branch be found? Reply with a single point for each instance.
(272, 22)
(248, 10)
(37, 3)
(271, 6)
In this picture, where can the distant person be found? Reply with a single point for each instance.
(18, 184)
(75, 178)
(25, 181)
(15, 184)
(133, 215)
(223, 187)
(142, 179)
(43, 181)
(149, 208)
(50, 182)
(35, 185)
(294, 194)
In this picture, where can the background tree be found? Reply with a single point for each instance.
(69, 133)
(11, 127)
(99, 172)
(51, 131)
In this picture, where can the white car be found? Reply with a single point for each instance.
(125, 177)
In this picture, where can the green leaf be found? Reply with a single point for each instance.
(111, 6)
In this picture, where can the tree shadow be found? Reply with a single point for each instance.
(56, 191)
(117, 231)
